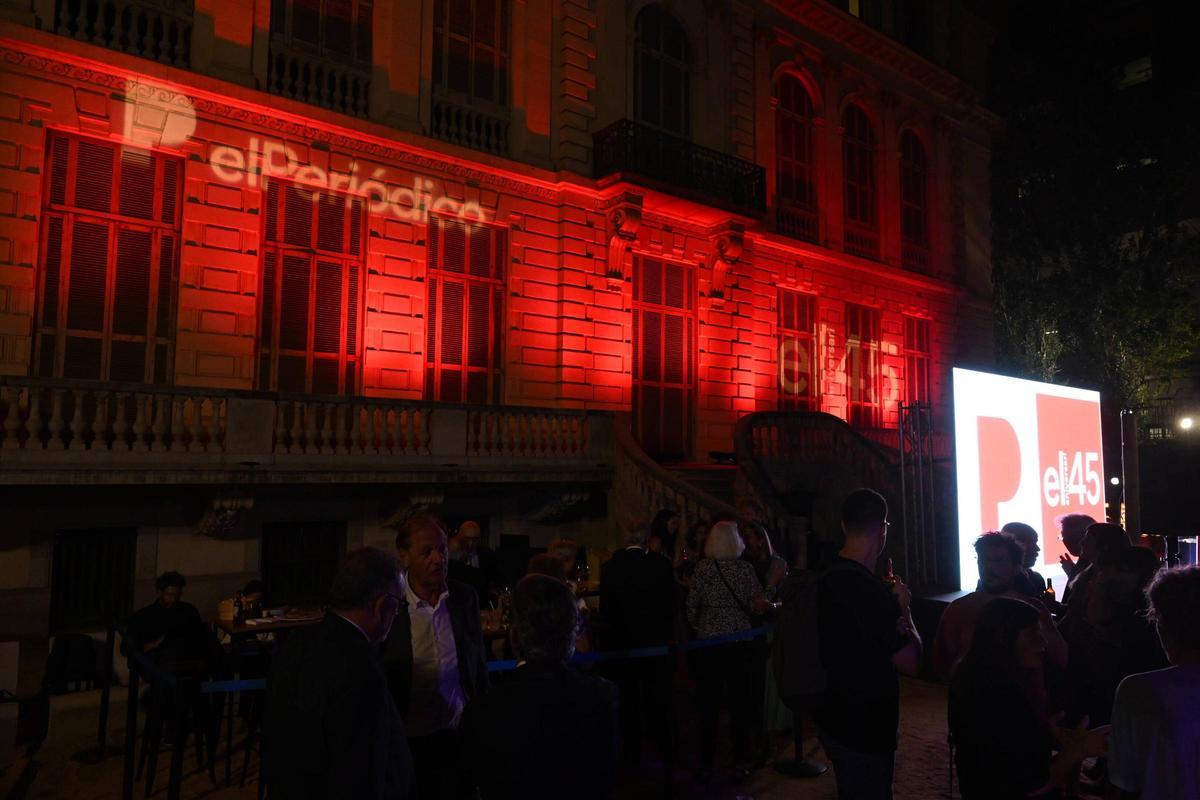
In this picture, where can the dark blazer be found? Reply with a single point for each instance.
(638, 602)
(543, 732)
(332, 728)
(468, 643)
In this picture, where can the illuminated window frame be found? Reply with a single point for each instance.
(917, 388)
(73, 213)
(798, 354)
(299, 229)
(862, 366)
(651, 296)
(479, 279)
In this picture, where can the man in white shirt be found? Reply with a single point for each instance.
(434, 657)
(1154, 750)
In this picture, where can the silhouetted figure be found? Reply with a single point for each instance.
(1155, 747)
(169, 630)
(638, 607)
(434, 658)
(724, 596)
(866, 634)
(999, 558)
(543, 731)
(1028, 581)
(332, 728)
(1002, 738)
(1072, 529)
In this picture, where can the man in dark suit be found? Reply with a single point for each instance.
(544, 731)
(639, 607)
(434, 658)
(333, 730)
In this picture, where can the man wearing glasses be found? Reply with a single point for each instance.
(334, 731)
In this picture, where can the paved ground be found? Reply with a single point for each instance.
(921, 765)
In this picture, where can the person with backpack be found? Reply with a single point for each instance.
(865, 636)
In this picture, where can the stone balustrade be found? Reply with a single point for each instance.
(75, 425)
(643, 488)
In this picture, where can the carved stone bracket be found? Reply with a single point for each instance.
(624, 219)
(727, 251)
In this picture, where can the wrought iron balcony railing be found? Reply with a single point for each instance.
(297, 72)
(639, 151)
(160, 30)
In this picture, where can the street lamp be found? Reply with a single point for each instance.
(1186, 423)
(1114, 480)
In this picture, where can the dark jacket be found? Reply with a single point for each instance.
(332, 728)
(638, 602)
(468, 643)
(543, 732)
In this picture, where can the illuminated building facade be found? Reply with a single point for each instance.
(680, 212)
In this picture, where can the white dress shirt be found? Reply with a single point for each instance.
(437, 698)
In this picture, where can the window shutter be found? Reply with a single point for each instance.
(60, 153)
(293, 303)
(331, 223)
(327, 308)
(451, 358)
(94, 176)
(481, 251)
(297, 216)
(273, 211)
(87, 280)
(53, 271)
(352, 312)
(172, 175)
(651, 346)
(51, 285)
(131, 301)
(356, 225)
(266, 320)
(456, 247)
(431, 319)
(136, 198)
(167, 244)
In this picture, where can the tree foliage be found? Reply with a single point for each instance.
(1096, 269)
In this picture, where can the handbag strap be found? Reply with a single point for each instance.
(748, 612)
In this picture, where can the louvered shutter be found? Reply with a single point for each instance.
(294, 299)
(88, 276)
(60, 150)
(664, 349)
(136, 194)
(51, 286)
(451, 342)
(266, 319)
(94, 177)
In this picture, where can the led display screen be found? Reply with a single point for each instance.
(1025, 452)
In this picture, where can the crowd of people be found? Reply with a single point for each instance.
(390, 695)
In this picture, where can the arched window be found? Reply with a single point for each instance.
(914, 205)
(660, 72)
(794, 185)
(858, 165)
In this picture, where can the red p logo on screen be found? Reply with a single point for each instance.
(999, 468)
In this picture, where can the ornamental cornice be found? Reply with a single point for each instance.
(283, 125)
(861, 38)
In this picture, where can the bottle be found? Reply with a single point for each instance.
(889, 574)
(239, 610)
(1049, 593)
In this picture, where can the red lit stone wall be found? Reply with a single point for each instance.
(571, 244)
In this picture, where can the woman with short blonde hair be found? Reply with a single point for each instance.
(724, 594)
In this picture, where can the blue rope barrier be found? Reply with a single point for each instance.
(242, 685)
